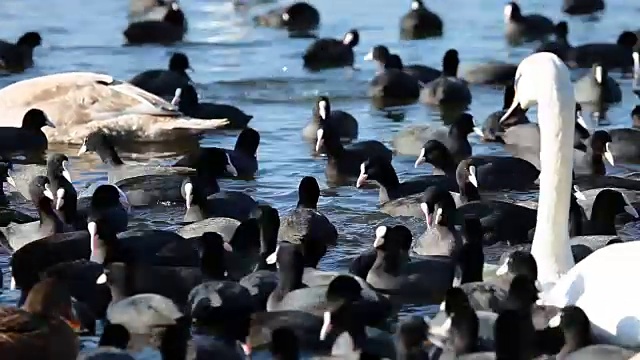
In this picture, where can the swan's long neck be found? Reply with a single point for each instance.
(551, 247)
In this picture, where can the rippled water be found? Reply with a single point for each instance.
(260, 71)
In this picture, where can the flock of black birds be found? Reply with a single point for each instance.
(238, 277)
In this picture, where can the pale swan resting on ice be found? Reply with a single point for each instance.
(81, 102)
(605, 283)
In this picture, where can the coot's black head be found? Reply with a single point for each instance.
(455, 299)
(212, 249)
(466, 173)
(464, 124)
(581, 130)
(523, 291)
(627, 39)
(394, 62)
(345, 288)
(404, 236)
(115, 335)
(35, 119)
(512, 11)
(379, 53)
(377, 169)
(520, 263)
(57, 164)
(600, 141)
(611, 202)
(96, 141)
(387, 239)
(284, 344)
(435, 153)
(30, 39)
(175, 16)
(179, 62)
(575, 325)
(351, 38)
(450, 63)
(463, 334)
(635, 116)
(5, 166)
(37, 187)
(438, 206)
(323, 108)
(248, 141)
(105, 196)
(417, 5)
(290, 257)
(308, 192)
(412, 332)
(562, 30)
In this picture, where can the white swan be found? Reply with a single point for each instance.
(605, 283)
(81, 102)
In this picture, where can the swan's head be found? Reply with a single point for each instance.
(537, 76)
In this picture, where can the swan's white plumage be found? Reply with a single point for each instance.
(543, 79)
(81, 102)
(604, 284)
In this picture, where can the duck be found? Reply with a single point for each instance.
(343, 163)
(241, 162)
(170, 29)
(623, 145)
(306, 225)
(578, 341)
(187, 100)
(84, 102)
(496, 73)
(492, 130)
(330, 53)
(502, 221)
(393, 86)
(560, 46)
(422, 280)
(598, 90)
(410, 141)
(610, 55)
(491, 171)
(448, 90)
(522, 139)
(592, 161)
(582, 7)
(420, 22)
(221, 312)
(342, 121)
(560, 277)
(381, 171)
(137, 181)
(422, 73)
(163, 83)
(30, 135)
(525, 28)
(441, 237)
(230, 204)
(297, 17)
(16, 58)
(43, 328)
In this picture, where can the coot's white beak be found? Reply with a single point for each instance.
(320, 141)
(420, 160)
(49, 123)
(271, 259)
(188, 194)
(83, 149)
(503, 269)
(65, 170)
(578, 194)
(369, 56)
(629, 207)
(427, 214)
(362, 177)
(176, 97)
(102, 279)
(11, 181)
(381, 231)
(472, 176)
(608, 155)
(59, 198)
(230, 168)
(326, 325)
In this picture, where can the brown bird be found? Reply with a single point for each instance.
(43, 329)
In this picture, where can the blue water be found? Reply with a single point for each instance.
(259, 70)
